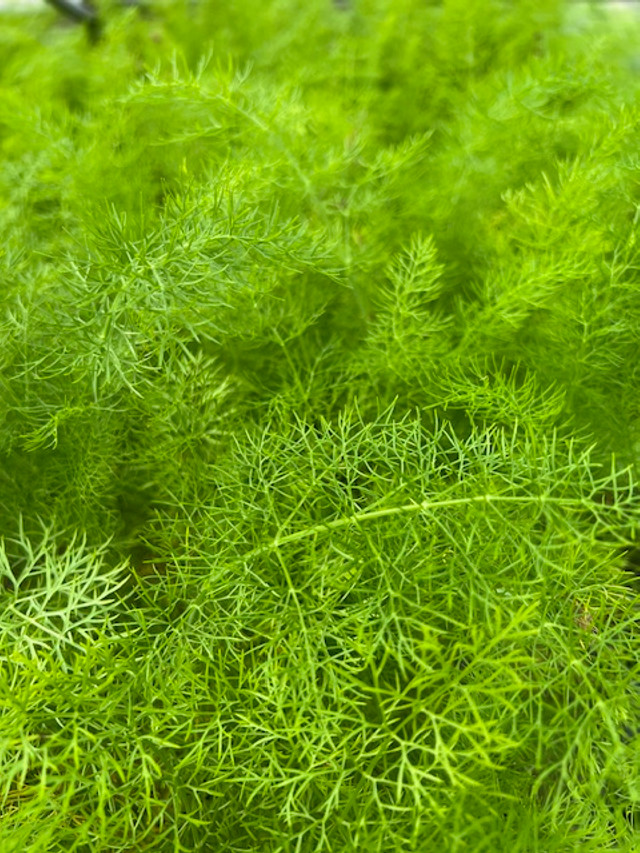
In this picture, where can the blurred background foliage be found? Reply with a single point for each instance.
(503, 130)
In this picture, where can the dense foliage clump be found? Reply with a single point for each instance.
(320, 429)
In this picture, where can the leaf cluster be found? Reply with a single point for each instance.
(319, 429)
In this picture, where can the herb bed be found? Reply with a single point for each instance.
(319, 429)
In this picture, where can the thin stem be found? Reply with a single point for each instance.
(422, 506)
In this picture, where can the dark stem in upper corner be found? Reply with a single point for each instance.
(80, 11)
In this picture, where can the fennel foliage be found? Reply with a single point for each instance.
(319, 430)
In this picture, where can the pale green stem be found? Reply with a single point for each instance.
(422, 506)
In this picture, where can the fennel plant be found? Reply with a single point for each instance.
(319, 430)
